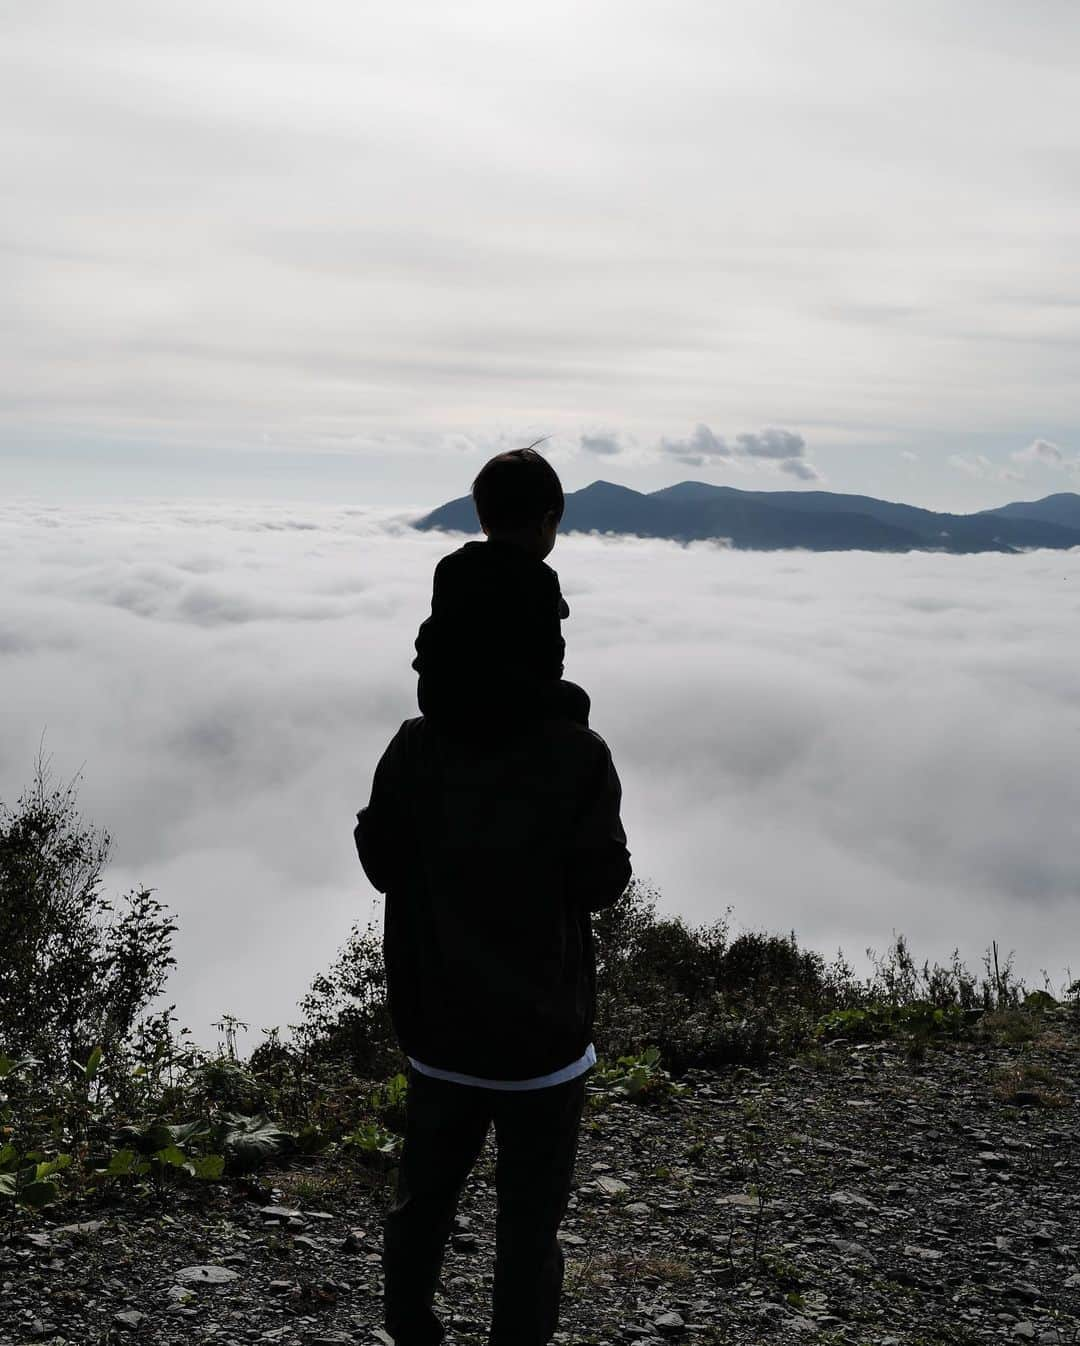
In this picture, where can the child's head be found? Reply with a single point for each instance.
(519, 499)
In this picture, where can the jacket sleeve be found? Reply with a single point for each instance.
(599, 862)
(379, 831)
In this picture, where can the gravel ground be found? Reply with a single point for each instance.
(850, 1197)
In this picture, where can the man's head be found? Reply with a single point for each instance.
(519, 499)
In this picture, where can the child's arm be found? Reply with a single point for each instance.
(551, 647)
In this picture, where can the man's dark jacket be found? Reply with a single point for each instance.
(491, 860)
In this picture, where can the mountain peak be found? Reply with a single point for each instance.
(601, 487)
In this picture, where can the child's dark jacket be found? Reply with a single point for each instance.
(491, 861)
(493, 642)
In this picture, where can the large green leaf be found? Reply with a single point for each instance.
(171, 1155)
(8, 1066)
(186, 1132)
(51, 1166)
(121, 1163)
(250, 1141)
(209, 1167)
(146, 1139)
(37, 1194)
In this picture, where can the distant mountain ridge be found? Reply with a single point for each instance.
(693, 511)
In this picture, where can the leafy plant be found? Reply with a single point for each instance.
(248, 1142)
(635, 1078)
(77, 969)
(388, 1100)
(920, 1019)
(160, 1150)
(372, 1139)
(29, 1179)
(346, 1015)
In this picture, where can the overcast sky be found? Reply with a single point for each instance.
(844, 746)
(346, 251)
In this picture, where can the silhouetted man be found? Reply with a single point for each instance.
(491, 858)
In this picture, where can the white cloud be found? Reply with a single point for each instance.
(973, 465)
(1040, 451)
(796, 467)
(978, 466)
(771, 443)
(828, 743)
(780, 450)
(909, 456)
(405, 221)
(699, 448)
(605, 445)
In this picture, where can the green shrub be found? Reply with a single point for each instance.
(76, 968)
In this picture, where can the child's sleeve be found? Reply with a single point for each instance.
(427, 637)
(552, 647)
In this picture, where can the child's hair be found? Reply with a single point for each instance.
(515, 489)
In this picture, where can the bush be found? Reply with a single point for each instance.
(703, 999)
(76, 969)
(346, 1016)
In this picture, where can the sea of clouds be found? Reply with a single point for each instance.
(846, 745)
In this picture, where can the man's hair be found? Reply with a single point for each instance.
(515, 489)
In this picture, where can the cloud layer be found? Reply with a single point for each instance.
(375, 230)
(844, 745)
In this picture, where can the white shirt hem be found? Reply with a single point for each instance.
(570, 1072)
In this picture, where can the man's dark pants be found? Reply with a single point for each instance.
(536, 1134)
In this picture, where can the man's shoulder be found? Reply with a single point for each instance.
(575, 741)
(561, 738)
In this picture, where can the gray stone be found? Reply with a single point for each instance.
(130, 1320)
(843, 1198)
(1023, 1290)
(208, 1275)
(670, 1323)
(84, 1230)
(611, 1186)
(280, 1213)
